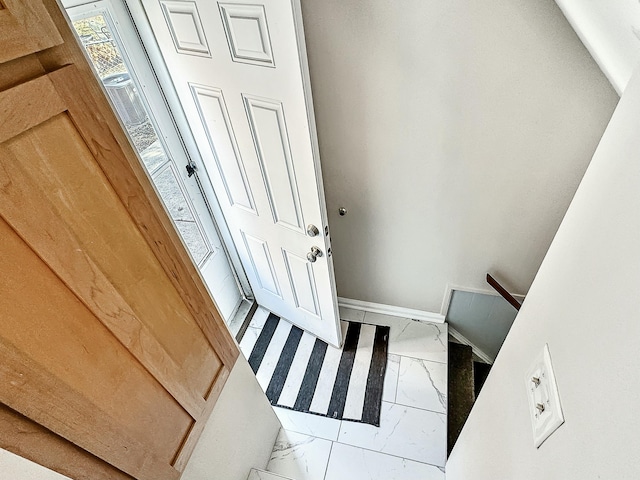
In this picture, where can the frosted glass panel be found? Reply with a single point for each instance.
(175, 201)
(102, 47)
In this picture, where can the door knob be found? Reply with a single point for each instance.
(313, 255)
(312, 230)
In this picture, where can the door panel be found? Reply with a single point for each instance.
(303, 284)
(262, 263)
(268, 128)
(258, 146)
(214, 115)
(186, 28)
(78, 356)
(109, 341)
(26, 28)
(247, 33)
(65, 209)
(28, 439)
(88, 211)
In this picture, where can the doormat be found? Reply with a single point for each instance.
(301, 372)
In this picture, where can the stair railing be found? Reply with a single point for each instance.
(503, 292)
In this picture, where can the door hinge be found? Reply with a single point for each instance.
(191, 169)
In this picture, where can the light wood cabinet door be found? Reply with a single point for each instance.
(26, 27)
(109, 340)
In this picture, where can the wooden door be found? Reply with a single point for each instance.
(110, 346)
(26, 27)
(239, 68)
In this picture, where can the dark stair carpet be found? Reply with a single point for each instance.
(466, 378)
(480, 373)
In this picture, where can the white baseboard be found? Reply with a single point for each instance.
(391, 310)
(465, 341)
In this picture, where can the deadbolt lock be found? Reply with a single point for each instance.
(312, 230)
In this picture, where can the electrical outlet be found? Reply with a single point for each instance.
(544, 400)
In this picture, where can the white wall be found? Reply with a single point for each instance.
(585, 304)
(238, 436)
(455, 132)
(17, 468)
(611, 32)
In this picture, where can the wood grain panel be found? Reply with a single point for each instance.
(26, 28)
(55, 158)
(60, 249)
(26, 438)
(112, 152)
(20, 71)
(112, 349)
(57, 358)
(27, 105)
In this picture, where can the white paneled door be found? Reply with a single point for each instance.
(240, 70)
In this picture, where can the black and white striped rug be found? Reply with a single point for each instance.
(300, 372)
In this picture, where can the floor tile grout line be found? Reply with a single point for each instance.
(367, 449)
(421, 359)
(396, 402)
(395, 395)
(389, 454)
(418, 408)
(337, 439)
(326, 467)
(314, 436)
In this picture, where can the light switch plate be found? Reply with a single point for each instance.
(544, 400)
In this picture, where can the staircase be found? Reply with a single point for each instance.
(466, 378)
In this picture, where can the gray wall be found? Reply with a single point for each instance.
(455, 132)
(585, 304)
(482, 319)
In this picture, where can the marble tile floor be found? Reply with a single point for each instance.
(410, 443)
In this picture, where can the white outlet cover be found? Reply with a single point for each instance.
(545, 393)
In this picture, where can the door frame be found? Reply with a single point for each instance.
(156, 61)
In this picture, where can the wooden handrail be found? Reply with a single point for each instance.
(503, 292)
